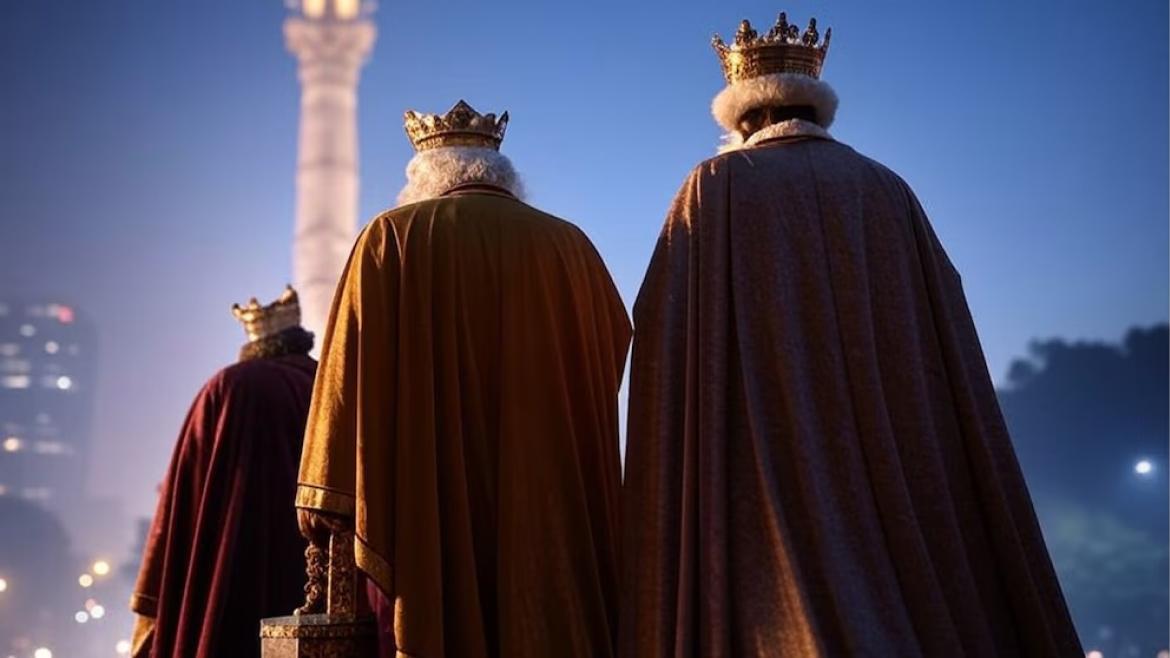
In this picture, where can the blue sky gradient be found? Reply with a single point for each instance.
(147, 152)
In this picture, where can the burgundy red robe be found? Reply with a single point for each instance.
(224, 550)
(816, 465)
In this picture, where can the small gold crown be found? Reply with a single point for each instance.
(460, 126)
(782, 50)
(263, 321)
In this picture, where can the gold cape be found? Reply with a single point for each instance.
(465, 415)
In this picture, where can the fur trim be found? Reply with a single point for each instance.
(433, 172)
(776, 89)
(734, 141)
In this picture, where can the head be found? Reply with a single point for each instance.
(757, 119)
(460, 147)
(273, 329)
(772, 77)
(433, 172)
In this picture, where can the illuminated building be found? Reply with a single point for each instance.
(46, 400)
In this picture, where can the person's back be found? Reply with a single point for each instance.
(816, 461)
(467, 409)
(224, 550)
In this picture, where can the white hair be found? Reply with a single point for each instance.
(435, 171)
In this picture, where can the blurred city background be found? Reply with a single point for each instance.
(148, 159)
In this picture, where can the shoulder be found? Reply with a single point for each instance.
(253, 376)
(830, 159)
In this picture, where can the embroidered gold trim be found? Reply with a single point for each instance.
(144, 604)
(373, 565)
(313, 497)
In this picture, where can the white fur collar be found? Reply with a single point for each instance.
(733, 141)
(432, 173)
(776, 89)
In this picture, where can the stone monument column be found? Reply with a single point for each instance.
(331, 39)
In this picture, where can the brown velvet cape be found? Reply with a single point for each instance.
(816, 462)
(465, 414)
(224, 550)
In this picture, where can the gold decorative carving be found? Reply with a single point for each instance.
(328, 625)
(316, 572)
(342, 598)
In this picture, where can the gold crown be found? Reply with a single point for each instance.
(263, 321)
(460, 126)
(782, 50)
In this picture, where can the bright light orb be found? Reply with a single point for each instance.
(64, 383)
(12, 444)
(101, 567)
(3, 585)
(1143, 467)
(81, 616)
(123, 647)
(98, 612)
(85, 580)
(1094, 654)
(42, 653)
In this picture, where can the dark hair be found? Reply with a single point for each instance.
(757, 119)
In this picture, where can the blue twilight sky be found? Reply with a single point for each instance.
(147, 151)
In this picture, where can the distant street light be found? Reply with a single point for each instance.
(1143, 467)
(101, 567)
(42, 653)
(123, 647)
(85, 580)
(3, 585)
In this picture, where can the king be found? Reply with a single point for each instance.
(223, 549)
(464, 420)
(816, 462)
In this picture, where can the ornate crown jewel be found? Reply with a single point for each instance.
(263, 321)
(460, 126)
(783, 49)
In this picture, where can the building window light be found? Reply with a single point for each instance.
(50, 448)
(15, 366)
(27, 330)
(52, 347)
(37, 493)
(64, 383)
(14, 381)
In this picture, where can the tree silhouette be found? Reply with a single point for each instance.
(1083, 416)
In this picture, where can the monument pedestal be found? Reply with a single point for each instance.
(317, 636)
(329, 625)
